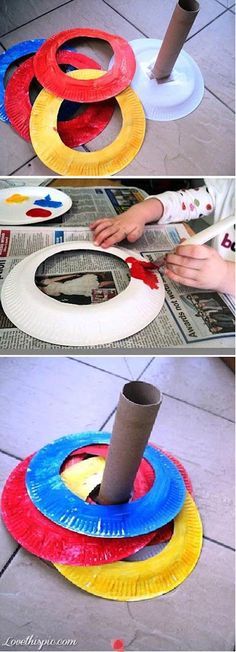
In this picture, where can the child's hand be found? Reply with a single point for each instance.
(198, 266)
(109, 231)
(130, 225)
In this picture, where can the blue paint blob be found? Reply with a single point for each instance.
(48, 202)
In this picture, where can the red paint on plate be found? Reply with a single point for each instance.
(38, 212)
(144, 271)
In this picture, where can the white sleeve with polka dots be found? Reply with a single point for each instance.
(184, 205)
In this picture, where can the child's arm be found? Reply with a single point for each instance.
(170, 206)
(185, 205)
(130, 225)
(201, 266)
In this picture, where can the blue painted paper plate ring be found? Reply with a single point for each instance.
(14, 53)
(50, 495)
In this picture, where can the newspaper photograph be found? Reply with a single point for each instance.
(188, 316)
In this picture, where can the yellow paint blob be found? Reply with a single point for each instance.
(16, 199)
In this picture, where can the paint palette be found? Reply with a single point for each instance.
(30, 205)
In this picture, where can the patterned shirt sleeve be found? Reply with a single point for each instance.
(185, 205)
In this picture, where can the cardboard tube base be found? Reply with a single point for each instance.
(136, 412)
(171, 98)
(179, 27)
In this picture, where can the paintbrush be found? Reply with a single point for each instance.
(204, 236)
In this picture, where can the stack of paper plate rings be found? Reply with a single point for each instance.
(47, 124)
(133, 551)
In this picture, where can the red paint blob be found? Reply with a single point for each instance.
(118, 644)
(38, 212)
(183, 206)
(209, 207)
(143, 271)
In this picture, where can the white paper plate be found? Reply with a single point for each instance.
(14, 213)
(43, 317)
(169, 99)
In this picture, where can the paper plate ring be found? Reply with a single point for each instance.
(82, 89)
(164, 534)
(74, 132)
(171, 98)
(7, 58)
(143, 481)
(42, 317)
(49, 494)
(60, 158)
(50, 541)
(142, 580)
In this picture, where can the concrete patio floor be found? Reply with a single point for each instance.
(201, 143)
(43, 398)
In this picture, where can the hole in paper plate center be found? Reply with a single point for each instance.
(12, 67)
(95, 48)
(68, 110)
(82, 277)
(147, 552)
(142, 484)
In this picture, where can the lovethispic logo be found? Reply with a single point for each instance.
(39, 643)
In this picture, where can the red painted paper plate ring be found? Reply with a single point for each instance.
(77, 131)
(50, 541)
(113, 82)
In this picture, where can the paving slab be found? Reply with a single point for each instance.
(33, 169)
(51, 398)
(15, 152)
(129, 368)
(8, 545)
(14, 12)
(153, 19)
(226, 3)
(196, 145)
(205, 382)
(196, 437)
(205, 47)
(78, 13)
(47, 606)
(198, 615)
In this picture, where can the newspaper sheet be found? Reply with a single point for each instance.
(188, 317)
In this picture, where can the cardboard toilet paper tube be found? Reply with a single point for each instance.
(179, 27)
(136, 412)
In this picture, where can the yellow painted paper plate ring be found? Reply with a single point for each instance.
(69, 162)
(141, 580)
(84, 476)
